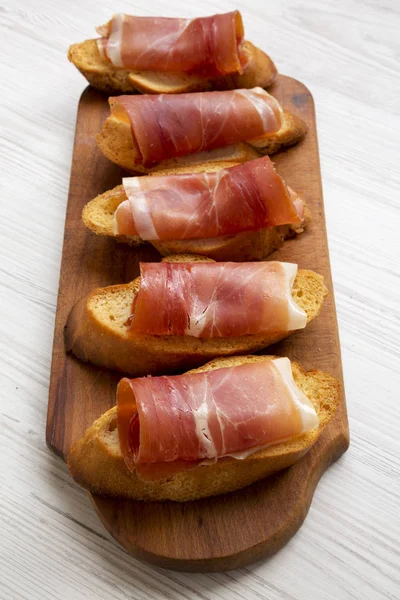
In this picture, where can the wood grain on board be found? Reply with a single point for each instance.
(232, 530)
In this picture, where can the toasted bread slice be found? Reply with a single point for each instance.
(98, 215)
(101, 74)
(116, 142)
(96, 462)
(96, 330)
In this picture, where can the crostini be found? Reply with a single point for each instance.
(170, 56)
(239, 213)
(103, 328)
(240, 420)
(147, 133)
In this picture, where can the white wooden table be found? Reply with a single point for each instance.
(52, 545)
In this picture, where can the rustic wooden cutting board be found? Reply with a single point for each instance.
(227, 531)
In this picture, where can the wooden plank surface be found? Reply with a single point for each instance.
(52, 542)
(232, 530)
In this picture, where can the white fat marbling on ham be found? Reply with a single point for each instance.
(297, 318)
(141, 212)
(208, 300)
(171, 125)
(203, 312)
(247, 197)
(308, 415)
(201, 415)
(208, 46)
(258, 96)
(114, 44)
(197, 418)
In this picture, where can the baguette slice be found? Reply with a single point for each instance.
(116, 142)
(96, 462)
(98, 216)
(96, 330)
(101, 74)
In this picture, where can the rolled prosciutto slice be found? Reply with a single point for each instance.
(205, 300)
(206, 205)
(170, 125)
(209, 46)
(169, 424)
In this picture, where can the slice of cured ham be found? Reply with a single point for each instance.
(169, 424)
(209, 46)
(207, 300)
(205, 205)
(170, 125)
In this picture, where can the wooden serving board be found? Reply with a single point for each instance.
(232, 530)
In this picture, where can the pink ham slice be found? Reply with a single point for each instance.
(209, 46)
(207, 300)
(169, 125)
(206, 205)
(170, 424)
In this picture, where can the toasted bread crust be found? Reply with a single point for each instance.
(96, 462)
(98, 216)
(101, 74)
(96, 330)
(116, 142)
(292, 131)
